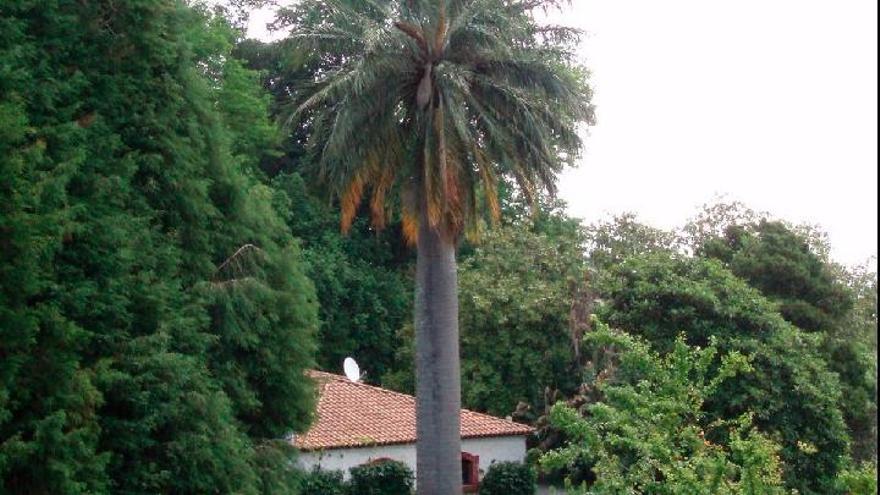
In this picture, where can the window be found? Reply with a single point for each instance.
(470, 472)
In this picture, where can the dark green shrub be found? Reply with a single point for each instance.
(509, 478)
(321, 482)
(381, 478)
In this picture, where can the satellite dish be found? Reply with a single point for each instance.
(352, 370)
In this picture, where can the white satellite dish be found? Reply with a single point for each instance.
(352, 370)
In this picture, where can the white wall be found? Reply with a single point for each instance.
(495, 449)
(344, 459)
(490, 450)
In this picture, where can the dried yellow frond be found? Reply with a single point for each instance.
(490, 186)
(452, 198)
(410, 228)
(413, 32)
(350, 200)
(380, 192)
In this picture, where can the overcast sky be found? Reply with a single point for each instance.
(770, 102)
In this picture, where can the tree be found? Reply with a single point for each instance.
(648, 431)
(612, 241)
(360, 280)
(156, 321)
(361, 277)
(516, 292)
(431, 102)
(714, 219)
(792, 392)
(861, 322)
(856, 336)
(48, 401)
(779, 262)
(817, 296)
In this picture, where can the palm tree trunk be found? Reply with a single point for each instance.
(438, 375)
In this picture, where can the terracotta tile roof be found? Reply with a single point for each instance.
(356, 415)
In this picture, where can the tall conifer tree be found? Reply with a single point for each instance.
(155, 318)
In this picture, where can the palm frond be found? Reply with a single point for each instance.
(437, 100)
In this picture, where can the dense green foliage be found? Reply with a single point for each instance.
(724, 276)
(611, 242)
(648, 433)
(381, 478)
(323, 482)
(779, 263)
(362, 277)
(786, 268)
(509, 478)
(155, 315)
(516, 291)
(852, 350)
(791, 392)
(860, 480)
(361, 280)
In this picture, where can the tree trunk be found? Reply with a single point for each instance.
(438, 375)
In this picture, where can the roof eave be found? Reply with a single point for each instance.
(405, 442)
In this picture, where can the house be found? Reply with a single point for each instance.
(358, 423)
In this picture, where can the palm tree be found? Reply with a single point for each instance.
(431, 103)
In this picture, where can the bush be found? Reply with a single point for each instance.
(320, 482)
(860, 480)
(381, 478)
(509, 478)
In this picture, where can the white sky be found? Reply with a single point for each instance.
(770, 102)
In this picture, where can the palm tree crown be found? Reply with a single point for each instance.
(436, 100)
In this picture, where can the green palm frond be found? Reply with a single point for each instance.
(437, 100)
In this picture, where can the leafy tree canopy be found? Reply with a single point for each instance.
(817, 296)
(362, 281)
(792, 392)
(647, 431)
(778, 262)
(612, 241)
(517, 290)
(155, 319)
